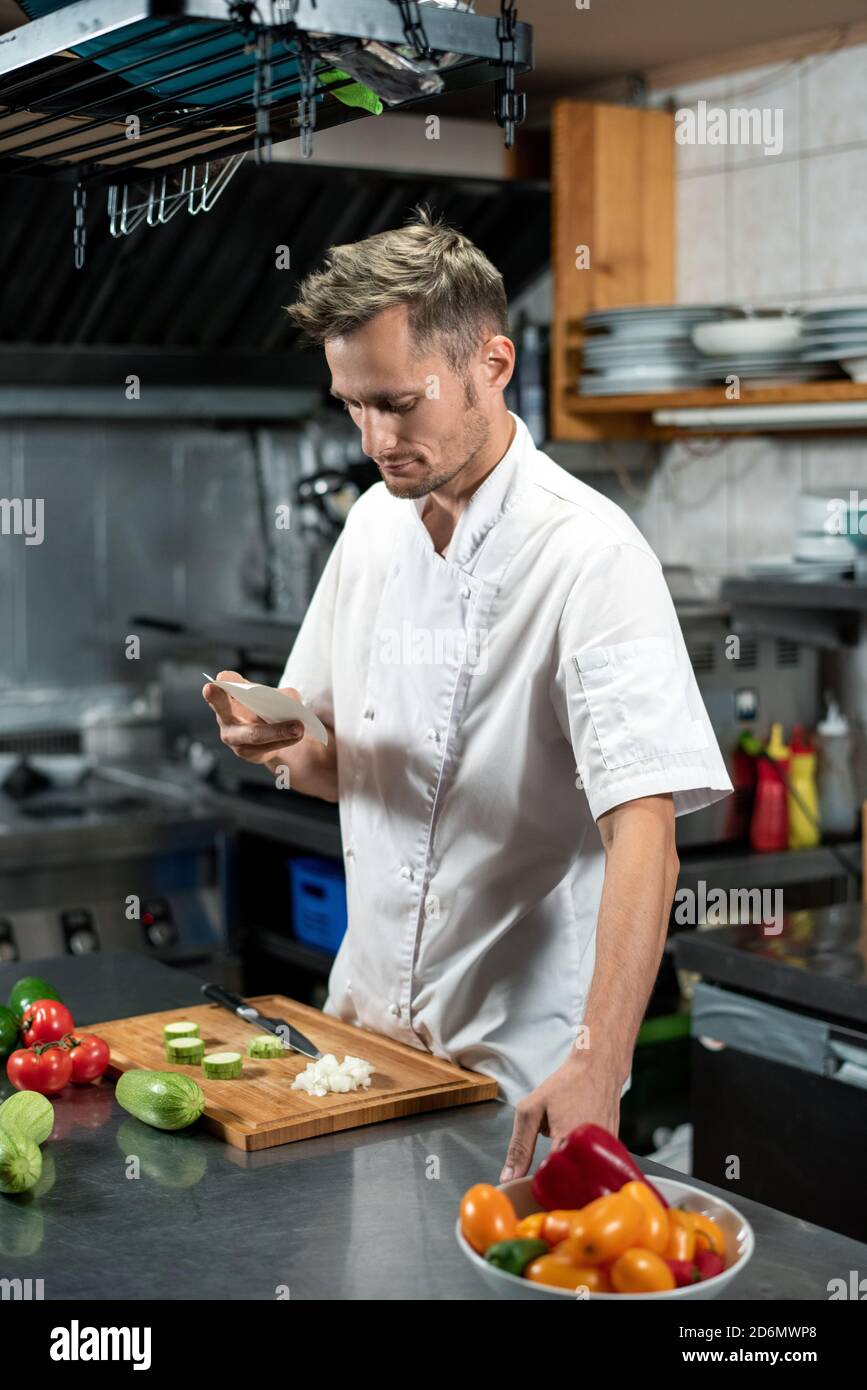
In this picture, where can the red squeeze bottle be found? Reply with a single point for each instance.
(769, 828)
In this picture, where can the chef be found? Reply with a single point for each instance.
(513, 719)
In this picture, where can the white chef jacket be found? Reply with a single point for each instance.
(489, 705)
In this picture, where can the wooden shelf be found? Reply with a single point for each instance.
(612, 246)
(630, 417)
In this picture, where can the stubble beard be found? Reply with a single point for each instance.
(474, 435)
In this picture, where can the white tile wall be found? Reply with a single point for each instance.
(763, 253)
(836, 220)
(768, 229)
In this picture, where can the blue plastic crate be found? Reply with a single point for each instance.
(318, 902)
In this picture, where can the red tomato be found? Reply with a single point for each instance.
(45, 1020)
(89, 1056)
(43, 1069)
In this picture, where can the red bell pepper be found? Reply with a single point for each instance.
(709, 1264)
(684, 1272)
(592, 1163)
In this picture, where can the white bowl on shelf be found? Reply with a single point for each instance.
(855, 367)
(740, 1244)
(729, 337)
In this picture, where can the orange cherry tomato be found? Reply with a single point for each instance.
(606, 1227)
(530, 1228)
(487, 1216)
(654, 1229)
(708, 1234)
(681, 1235)
(562, 1274)
(557, 1225)
(640, 1271)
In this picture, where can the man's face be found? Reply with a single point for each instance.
(420, 422)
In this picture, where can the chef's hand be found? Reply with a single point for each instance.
(581, 1091)
(248, 736)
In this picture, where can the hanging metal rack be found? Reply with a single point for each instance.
(164, 143)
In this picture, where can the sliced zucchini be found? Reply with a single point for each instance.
(185, 1051)
(222, 1066)
(265, 1045)
(180, 1030)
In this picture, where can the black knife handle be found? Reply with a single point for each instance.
(224, 997)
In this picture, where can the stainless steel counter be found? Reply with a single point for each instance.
(349, 1216)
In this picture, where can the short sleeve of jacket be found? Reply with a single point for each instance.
(624, 690)
(309, 668)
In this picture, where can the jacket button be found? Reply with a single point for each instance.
(405, 871)
(466, 591)
(394, 1010)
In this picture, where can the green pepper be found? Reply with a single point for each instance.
(514, 1255)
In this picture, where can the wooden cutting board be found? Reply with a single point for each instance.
(260, 1109)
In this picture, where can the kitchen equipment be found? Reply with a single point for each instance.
(260, 1109)
(104, 866)
(732, 337)
(837, 335)
(769, 827)
(284, 1031)
(643, 348)
(838, 804)
(319, 912)
(110, 734)
(855, 367)
(769, 678)
(779, 1062)
(740, 1244)
(804, 823)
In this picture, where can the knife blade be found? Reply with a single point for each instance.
(248, 1013)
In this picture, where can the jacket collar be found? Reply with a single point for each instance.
(487, 504)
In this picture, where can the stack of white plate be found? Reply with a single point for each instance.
(838, 335)
(642, 349)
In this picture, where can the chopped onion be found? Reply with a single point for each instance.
(318, 1078)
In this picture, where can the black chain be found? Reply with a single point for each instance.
(79, 231)
(307, 100)
(262, 80)
(510, 106)
(413, 27)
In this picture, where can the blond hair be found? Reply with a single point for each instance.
(454, 295)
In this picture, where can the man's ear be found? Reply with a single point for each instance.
(498, 361)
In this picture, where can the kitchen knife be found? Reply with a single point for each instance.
(288, 1035)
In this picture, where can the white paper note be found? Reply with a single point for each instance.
(274, 706)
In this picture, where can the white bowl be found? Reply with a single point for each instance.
(740, 1243)
(732, 336)
(855, 367)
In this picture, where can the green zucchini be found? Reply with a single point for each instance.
(222, 1066)
(20, 1162)
(162, 1099)
(185, 1051)
(28, 1113)
(265, 1045)
(180, 1030)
